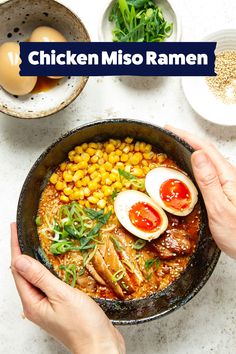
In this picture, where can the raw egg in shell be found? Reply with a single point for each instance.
(172, 190)
(10, 78)
(140, 215)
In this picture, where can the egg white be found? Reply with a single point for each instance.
(159, 175)
(123, 203)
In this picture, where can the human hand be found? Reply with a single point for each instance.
(216, 178)
(67, 314)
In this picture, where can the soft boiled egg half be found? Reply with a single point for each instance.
(140, 215)
(172, 190)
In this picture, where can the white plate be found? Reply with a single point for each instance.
(198, 93)
(169, 13)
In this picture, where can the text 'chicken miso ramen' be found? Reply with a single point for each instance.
(118, 219)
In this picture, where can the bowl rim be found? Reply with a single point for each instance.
(170, 3)
(215, 256)
(24, 115)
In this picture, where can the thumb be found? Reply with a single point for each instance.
(209, 183)
(40, 277)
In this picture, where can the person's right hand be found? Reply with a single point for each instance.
(216, 178)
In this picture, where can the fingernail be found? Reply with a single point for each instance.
(22, 264)
(200, 159)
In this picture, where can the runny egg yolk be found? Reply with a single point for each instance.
(144, 217)
(175, 194)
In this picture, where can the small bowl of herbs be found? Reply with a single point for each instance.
(139, 21)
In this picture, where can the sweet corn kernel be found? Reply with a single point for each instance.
(67, 176)
(108, 181)
(84, 146)
(71, 155)
(94, 159)
(136, 146)
(80, 194)
(102, 169)
(105, 156)
(60, 186)
(118, 152)
(67, 191)
(78, 184)
(93, 200)
(126, 149)
(124, 157)
(128, 140)
(90, 151)
(91, 169)
(161, 158)
(98, 194)
(85, 181)
(78, 149)
(127, 168)
(144, 163)
(95, 174)
(112, 158)
(113, 141)
(64, 199)
(146, 169)
(131, 148)
(110, 148)
(101, 161)
(63, 166)
(99, 153)
(93, 145)
(75, 196)
(107, 191)
(148, 148)
(148, 155)
(78, 175)
(87, 204)
(54, 178)
(137, 171)
(108, 166)
(77, 158)
(101, 204)
(82, 165)
(136, 158)
(120, 165)
(92, 186)
(113, 177)
(74, 168)
(117, 185)
(86, 192)
(142, 147)
(97, 179)
(85, 156)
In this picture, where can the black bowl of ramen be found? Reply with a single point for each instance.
(201, 261)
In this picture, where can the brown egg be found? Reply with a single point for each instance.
(47, 34)
(10, 78)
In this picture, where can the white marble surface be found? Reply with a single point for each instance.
(208, 323)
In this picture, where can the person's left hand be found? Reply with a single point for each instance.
(66, 313)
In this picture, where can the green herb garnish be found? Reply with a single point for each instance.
(114, 193)
(38, 221)
(126, 175)
(139, 21)
(70, 272)
(152, 262)
(139, 244)
(116, 244)
(117, 276)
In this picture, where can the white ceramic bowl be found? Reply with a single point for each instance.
(198, 93)
(169, 12)
(18, 19)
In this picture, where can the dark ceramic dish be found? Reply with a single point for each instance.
(202, 262)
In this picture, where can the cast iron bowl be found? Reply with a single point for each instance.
(202, 262)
